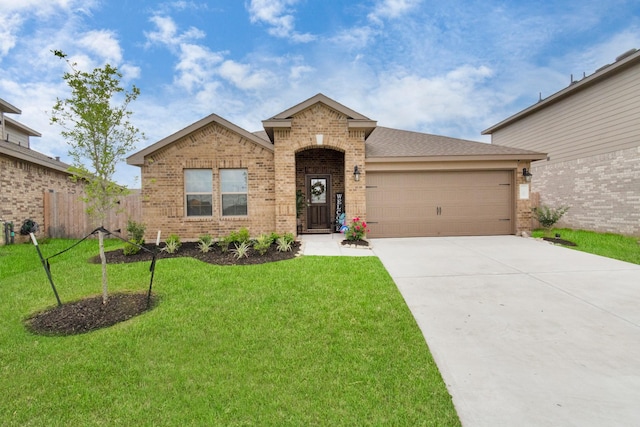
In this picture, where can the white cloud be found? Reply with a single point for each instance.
(277, 14)
(392, 9)
(103, 44)
(354, 38)
(9, 25)
(167, 32)
(243, 77)
(420, 103)
(195, 66)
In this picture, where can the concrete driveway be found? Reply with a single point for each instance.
(525, 333)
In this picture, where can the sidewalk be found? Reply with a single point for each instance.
(329, 245)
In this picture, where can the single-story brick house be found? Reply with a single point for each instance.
(25, 174)
(214, 177)
(591, 133)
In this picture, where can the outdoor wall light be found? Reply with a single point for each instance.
(356, 173)
(527, 175)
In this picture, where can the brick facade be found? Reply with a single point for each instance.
(317, 127)
(603, 191)
(212, 147)
(316, 137)
(23, 184)
(523, 206)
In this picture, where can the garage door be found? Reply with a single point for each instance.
(415, 204)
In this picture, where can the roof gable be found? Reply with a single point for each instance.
(138, 158)
(283, 119)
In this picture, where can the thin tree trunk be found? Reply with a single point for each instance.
(104, 267)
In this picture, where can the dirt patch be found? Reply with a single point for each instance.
(89, 314)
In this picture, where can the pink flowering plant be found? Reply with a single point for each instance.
(357, 230)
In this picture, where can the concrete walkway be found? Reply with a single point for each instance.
(329, 245)
(525, 333)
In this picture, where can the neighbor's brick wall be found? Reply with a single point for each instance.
(22, 187)
(523, 206)
(212, 147)
(317, 119)
(603, 191)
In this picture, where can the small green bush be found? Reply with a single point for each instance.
(204, 243)
(284, 244)
(262, 243)
(548, 216)
(172, 244)
(135, 233)
(241, 250)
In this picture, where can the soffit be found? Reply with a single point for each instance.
(9, 122)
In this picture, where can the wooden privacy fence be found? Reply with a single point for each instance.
(65, 215)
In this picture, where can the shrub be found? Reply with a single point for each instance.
(204, 243)
(135, 233)
(172, 244)
(241, 250)
(242, 236)
(262, 243)
(357, 230)
(547, 216)
(284, 244)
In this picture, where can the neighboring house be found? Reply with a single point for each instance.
(591, 132)
(26, 174)
(214, 177)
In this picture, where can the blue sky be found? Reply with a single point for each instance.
(451, 67)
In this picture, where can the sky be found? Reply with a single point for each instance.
(451, 68)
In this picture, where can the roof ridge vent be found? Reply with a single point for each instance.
(626, 54)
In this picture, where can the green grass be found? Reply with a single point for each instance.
(310, 341)
(610, 245)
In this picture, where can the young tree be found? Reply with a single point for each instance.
(95, 122)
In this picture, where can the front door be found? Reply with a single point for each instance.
(318, 201)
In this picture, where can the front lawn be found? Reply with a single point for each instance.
(610, 245)
(309, 341)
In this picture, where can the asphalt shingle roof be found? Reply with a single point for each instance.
(24, 153)
(388, 142)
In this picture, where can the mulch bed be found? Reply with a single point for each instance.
(214, 256)
(558, 241)
(89, 314)
(361, 243)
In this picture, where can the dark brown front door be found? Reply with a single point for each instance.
(318, 201)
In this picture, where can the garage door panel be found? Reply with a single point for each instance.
(409, 204)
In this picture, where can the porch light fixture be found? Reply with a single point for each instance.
(356, 173)
(527, 175)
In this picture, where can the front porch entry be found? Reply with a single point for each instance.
(320, 179)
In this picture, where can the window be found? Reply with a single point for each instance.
(233, 187)
(199, 192)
